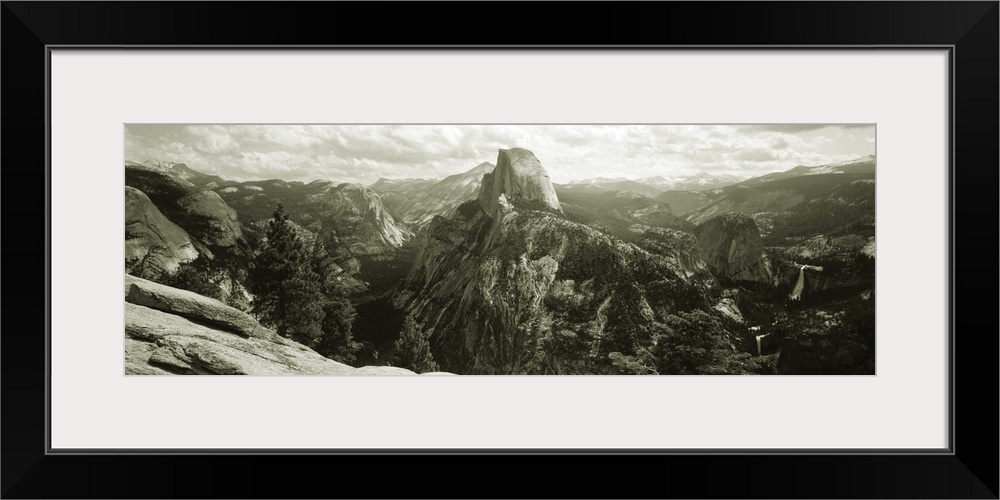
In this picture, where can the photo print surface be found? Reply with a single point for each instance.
(499, 249)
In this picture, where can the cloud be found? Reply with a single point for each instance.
(789, 129)
(363, 153)
(806, 127)
(212, 139)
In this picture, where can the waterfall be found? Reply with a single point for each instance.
(797, 291)
(758, 337)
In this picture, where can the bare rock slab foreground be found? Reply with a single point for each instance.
(173, 331)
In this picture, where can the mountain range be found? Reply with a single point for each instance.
(511, 273)
(652, 186)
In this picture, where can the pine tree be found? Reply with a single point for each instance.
(413, 349)
(195, 276)
(288, 293)
(337, 342)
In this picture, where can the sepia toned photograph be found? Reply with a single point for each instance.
(499, 249)
(662, 245)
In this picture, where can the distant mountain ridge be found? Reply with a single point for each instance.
(653, 186)
(417, 201)
(784, 191)
(863, 166)
(178, 171)
(704, 181)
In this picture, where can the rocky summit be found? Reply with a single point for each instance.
(520, 176)
(173, 331)
(731, 246)
(509, 286)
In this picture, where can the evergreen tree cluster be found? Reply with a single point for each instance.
(296, 292)
(413, 349)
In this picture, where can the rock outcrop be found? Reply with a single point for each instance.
(192, 306)
(172, 331)
(520, 176)
(154, 246)
(222, 226)
(732, 248)
(680, 248)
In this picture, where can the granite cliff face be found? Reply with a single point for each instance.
(679, 248)
(520, 177)
(731, 245)
(221, 226)
(171, 331)
(154, 246)
(356, 214)
(508, 285)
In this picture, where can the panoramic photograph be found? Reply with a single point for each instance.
(499, 249)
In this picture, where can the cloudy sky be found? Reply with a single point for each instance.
(363, 153)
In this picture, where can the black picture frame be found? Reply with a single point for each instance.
(969, 29)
